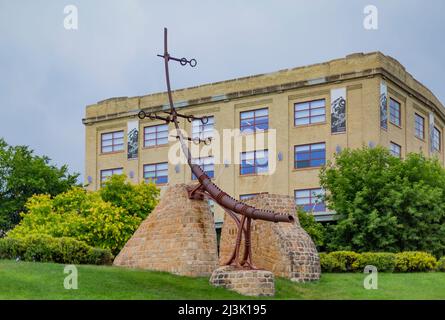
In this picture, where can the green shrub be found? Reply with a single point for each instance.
(11, 248)
(100, 256)
(383, 261)
(414, 261)
(329, 264)
(409, 261)
(441, 264)
(345, 260)
(315, 229)
(44, 248)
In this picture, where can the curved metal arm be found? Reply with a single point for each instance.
(222, 198)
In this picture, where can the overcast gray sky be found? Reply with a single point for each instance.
(49, 74)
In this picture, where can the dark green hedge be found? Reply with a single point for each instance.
(44, 248)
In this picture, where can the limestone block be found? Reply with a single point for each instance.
(245, 282)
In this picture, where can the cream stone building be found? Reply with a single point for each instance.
(315, 111)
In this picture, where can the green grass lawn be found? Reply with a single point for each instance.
(26, 280)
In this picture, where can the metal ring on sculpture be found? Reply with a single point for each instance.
(141, 115)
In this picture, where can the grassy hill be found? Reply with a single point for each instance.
(26, 280)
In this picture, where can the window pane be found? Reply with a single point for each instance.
(318, 119)
(261, 112)
(302, 148)
(301, 114)
(317, 162)
(150, 129)
(248, 114)
(118, 134)
(318, 103)
(107, 149)
(302, 193)
(317, 112)
(303, 164)
(301, 121)
(302, 106)
(302, 156)
(318, 146)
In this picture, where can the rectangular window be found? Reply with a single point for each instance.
(254, 120)
(105, 174)
(156, 135)
(156, 172)
(310, 112)
(419, 126)
(395, 113)
(203, 130)
(436, 139)
(207, 164)
(310, 155)
(254, 162)
(395, 149)
(310, 200)
(247, 196)
(112, 141)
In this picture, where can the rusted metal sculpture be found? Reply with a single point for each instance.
(239, 211)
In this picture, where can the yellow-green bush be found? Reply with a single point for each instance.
(441, 264)
(409, 261)
(78, 214)
(414, 261)
(44, 248)
(329, 263)
(383, 261)
(345, 260)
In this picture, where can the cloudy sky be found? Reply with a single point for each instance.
(49, 74)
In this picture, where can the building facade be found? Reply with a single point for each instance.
(315, 111)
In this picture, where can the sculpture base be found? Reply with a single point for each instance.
(245, 282)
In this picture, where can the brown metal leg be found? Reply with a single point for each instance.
(247, 259)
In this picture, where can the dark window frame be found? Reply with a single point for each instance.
(310, 155)
(102, 178)
(156, 133)
(255, 119)
(397, 116)
(201, 128)
(113, 145)
(310, 203)
(247, 196)
(391, 143)
(310, 109)
(155, 178)
(416, 129)
(255, 165)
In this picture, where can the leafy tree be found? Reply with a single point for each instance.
(385, 203)
(315, 229)
(23, 174)
(138, 200)
(87, 217)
